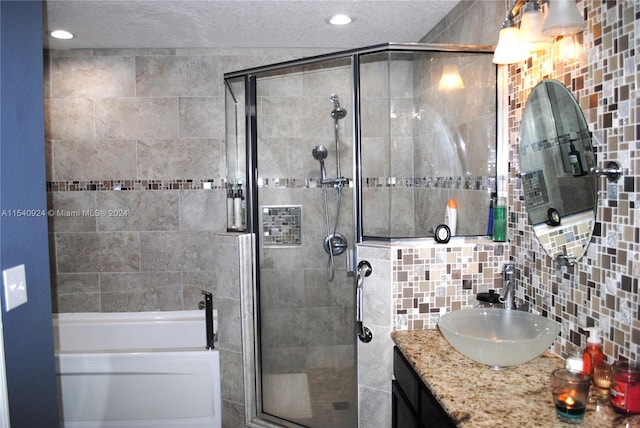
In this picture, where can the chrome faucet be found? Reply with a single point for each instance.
(508, 294)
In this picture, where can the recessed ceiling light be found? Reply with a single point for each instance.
(61, 34)
(340, 19)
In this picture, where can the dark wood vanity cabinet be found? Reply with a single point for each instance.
(413, 405)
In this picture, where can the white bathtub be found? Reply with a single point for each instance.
(146, 369)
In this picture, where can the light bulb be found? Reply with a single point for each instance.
(510, 48)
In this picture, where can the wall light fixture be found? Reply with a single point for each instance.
(531, 27)
(510, 48)
(563, 19)
(536, 29)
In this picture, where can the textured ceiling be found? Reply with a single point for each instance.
(239, 23)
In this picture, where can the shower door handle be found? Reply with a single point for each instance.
(364, 269)
(207, 305)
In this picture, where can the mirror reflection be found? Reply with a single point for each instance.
(556, 156)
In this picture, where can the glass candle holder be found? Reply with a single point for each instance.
(570, 393)
(602, 379)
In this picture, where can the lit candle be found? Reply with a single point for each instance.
(570, 392)
(569, 406)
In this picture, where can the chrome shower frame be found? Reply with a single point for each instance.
(251, 336)
(355, 55)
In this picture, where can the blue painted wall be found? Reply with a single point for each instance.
(28, 337)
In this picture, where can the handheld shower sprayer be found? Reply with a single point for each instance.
(334, 243)
(320, 153)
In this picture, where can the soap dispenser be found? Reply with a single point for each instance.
(593, 354)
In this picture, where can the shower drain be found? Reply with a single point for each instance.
(340, 405)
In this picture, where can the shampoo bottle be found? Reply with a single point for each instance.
(451, 216)
(243, 208)
(593, 354)
(230, 222)
(575, 161)
(237, 209)
(490, 220)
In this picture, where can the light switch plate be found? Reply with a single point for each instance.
(15, 287)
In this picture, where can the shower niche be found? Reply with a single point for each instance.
(236, 156)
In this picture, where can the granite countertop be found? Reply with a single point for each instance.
(476, 396)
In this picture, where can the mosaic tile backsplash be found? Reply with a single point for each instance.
(602, 289)
(433, 278)
(568, 240)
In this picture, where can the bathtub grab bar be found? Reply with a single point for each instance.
(208, 308)
(364, 333)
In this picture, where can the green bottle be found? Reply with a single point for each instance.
(500, 220)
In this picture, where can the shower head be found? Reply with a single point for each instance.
(320, 154)
(338, 112)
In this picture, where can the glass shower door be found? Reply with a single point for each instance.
(306, 298)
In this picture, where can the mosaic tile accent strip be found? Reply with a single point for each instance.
(434, 278)
(106, 185)
(460, 183)
(294, 183)
(282, 226)
(465, 183)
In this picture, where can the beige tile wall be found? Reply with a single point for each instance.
(135, 173)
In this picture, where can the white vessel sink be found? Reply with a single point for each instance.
(498, 337)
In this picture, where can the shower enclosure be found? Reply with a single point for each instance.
(328, 151)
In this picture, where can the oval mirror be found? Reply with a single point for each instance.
(556, 157)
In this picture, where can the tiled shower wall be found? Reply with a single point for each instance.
(454, 141)
(437, 144)
(135, 174)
